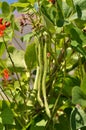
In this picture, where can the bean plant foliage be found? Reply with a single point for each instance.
(43, 86)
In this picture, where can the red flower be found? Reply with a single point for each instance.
(52, 1)
(1, 33)
(5, 74)
(3, 26)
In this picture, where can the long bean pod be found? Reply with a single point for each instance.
(40, 59)
(44, 81)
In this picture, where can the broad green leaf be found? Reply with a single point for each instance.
(70, 3)
(83, 84)
(19, 4)
(6, 114)
(78, 97)
(77, 118)
(30, 56)
(5, 8)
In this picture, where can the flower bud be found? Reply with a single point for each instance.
(7, 24)
(1, 19)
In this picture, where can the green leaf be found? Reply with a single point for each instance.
(81, 3)
(18, 59)
(60, 22)
(6, 114)
(74, 43)
(75, 35)
(69, 83)
(2, 48)
(83, 84)
(70, 3)
(5, 8)
(62, 124)
(32, 1)
(30, 56)
(60, 9)
(1, 126)
(41, 123)
(49, 23)
(78, 48)
(78, 97)
(23, 1)
(79, 12)
(19, 4)
(78, 118)
(28, 37)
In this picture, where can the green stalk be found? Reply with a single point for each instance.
(44, 82)
(4, 95)
(11, 61)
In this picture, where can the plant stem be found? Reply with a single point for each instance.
(13, 65)
(18, 43)
(11, 61)
(5, 94)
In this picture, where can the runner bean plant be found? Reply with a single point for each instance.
(43, 65)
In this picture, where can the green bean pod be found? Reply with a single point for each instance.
(44, 81)
(40, 59)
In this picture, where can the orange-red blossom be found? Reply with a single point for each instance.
(3, 26)
(5, 74)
